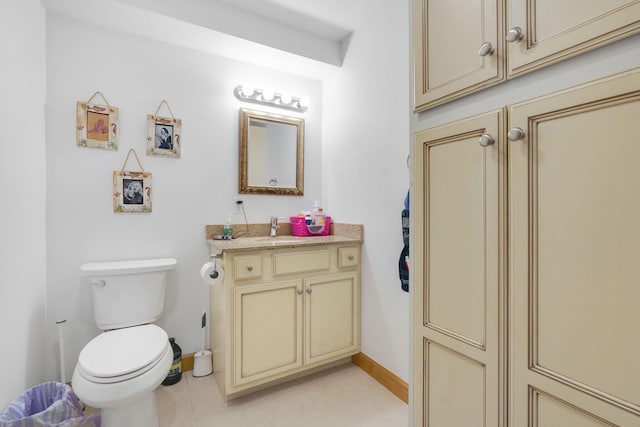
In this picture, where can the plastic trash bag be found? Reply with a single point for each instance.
(45, 405)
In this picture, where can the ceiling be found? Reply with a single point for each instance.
(320, 29)
(332, 19)
(307, 37)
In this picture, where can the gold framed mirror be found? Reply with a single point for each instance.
(271, 154)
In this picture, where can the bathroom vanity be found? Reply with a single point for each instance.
(287, 306)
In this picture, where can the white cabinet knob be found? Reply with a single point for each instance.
(516, 134)
(486, 49)
(515, 35)
(486, 140)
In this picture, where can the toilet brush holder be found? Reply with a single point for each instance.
(202, 365)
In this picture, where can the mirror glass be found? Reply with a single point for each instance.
(271, 153)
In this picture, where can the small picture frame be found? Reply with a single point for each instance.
(96, 124)
(164, 134)
(131, 191)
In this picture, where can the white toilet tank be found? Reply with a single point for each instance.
(128, 293)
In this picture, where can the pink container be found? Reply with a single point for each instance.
(299, 227)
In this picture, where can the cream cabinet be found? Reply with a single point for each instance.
(573, 256)
(461, 46)
(267, 331)
(525, 263)
(447, 36)
(458, 270)
(284, 312)
(541, 32)
(330, 314)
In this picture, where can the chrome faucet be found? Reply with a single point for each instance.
(274, 226)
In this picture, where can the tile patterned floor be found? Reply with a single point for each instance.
(343, 396)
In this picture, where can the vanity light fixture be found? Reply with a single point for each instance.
(249, 93)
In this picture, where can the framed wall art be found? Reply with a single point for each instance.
(164, 134)
(131, 189)
(96, 124)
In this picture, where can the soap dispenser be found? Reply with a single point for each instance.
(318, 216)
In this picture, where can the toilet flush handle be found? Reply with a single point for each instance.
(99, 283)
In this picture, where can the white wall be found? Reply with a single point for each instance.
(365, 140)
(22, 178)
(136, 74)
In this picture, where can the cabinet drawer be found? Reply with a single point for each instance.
(247, 267)
(301, 262)
(348, 257)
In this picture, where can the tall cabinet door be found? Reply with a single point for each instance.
(553, 30)
(575, 256)
(448, 35)
(458, 274)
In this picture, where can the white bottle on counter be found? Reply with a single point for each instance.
(318, 216)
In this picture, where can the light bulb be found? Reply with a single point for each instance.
(267, 95)
(304, 101)
(247, 90)
(285, 99)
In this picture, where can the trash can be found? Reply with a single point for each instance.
(45, 405)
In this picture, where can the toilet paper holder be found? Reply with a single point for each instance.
(215, 257)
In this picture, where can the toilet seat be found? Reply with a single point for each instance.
(121, 354)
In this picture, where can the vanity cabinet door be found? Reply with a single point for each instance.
(574, 233)
(458, 279)
(267, 330)
(447, 38)
(332, 313)
(554, 30)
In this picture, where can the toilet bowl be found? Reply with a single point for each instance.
(118, 371)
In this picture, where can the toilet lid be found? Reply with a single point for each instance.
(120, 352)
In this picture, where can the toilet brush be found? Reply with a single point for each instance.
(202, 359)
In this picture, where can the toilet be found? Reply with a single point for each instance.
(118, 371)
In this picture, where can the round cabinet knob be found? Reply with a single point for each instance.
(515, 35)
(486, 49)
(515, 134)
(309, 290)
(486, 140)
(299, 291)
(250, 268)
(350, 257)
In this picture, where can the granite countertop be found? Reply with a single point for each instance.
(253, 238)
